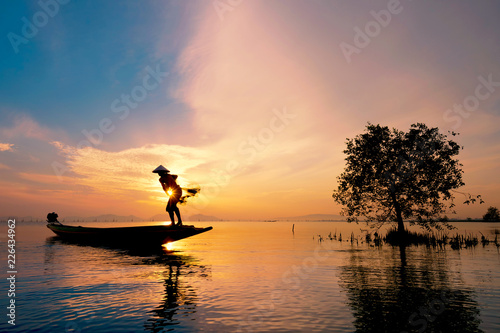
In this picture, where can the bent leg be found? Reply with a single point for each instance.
(170, 212)
(178, 213)
(172, 208)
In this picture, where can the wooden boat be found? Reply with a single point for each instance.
(143, 235)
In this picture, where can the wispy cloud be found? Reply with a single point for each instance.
(6, 146)
(25, 126)
(130, 171)
(46, 179)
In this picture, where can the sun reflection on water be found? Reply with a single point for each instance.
(168, 246)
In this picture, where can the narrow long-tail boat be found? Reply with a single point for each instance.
(132, 236)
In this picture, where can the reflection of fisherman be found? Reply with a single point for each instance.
(170, 187)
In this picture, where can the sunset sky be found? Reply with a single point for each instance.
(251, 100)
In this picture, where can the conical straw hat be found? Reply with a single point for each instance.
(161, 168)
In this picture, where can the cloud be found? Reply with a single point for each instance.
(25, 126)
(6, 147)
(129, 171)
(46, 179)
(236, 73)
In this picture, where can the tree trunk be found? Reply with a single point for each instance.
(399, 216)
(401, 226)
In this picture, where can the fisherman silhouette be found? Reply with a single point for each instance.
(168, 182)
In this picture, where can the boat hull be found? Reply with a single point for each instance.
(144, 235)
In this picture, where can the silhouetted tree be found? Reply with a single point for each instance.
(492, 215)
(391, 175)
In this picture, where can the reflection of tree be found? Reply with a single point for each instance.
(402, 292)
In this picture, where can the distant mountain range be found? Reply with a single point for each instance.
(23, 219)
(196, 217)
(193, 218)
(201, 217)
(313, 217)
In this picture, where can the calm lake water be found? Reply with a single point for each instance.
(253, 277)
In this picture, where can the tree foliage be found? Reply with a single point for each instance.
(391, 175)
(492, 215)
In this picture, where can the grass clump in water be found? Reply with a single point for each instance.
(433, 240)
